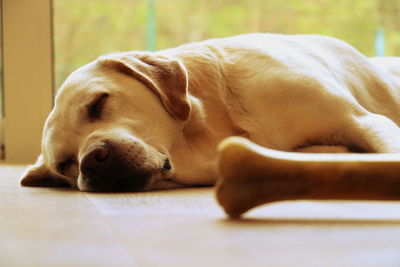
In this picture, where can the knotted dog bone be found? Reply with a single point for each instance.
(251, 175)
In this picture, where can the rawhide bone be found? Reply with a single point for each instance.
(251, 175)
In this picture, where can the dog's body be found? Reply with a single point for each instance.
(141, 120)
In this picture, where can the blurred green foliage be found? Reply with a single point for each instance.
(86, 29)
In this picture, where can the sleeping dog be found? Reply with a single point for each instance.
(152, 120)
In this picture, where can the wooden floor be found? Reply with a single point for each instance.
(61, 227)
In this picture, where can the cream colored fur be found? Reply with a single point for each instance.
(304, 93)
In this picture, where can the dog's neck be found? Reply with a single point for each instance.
(210, 121)
(207, 90)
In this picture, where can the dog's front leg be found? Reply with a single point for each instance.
(373, 133)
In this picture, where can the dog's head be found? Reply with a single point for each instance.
(113, 124)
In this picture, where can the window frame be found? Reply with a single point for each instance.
(27, 32)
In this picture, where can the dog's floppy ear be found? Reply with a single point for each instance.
(39, 175)
(165, 76)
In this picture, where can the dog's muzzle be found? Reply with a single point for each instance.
(105, 168)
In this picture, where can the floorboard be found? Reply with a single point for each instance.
(186, 227)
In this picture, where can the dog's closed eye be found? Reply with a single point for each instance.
(65, 166)
(95, 109)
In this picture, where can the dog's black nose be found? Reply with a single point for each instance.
(104, 167)
(94, 160)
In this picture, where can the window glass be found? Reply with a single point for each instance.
(87, 29)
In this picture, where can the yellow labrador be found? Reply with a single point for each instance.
(141, 120)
